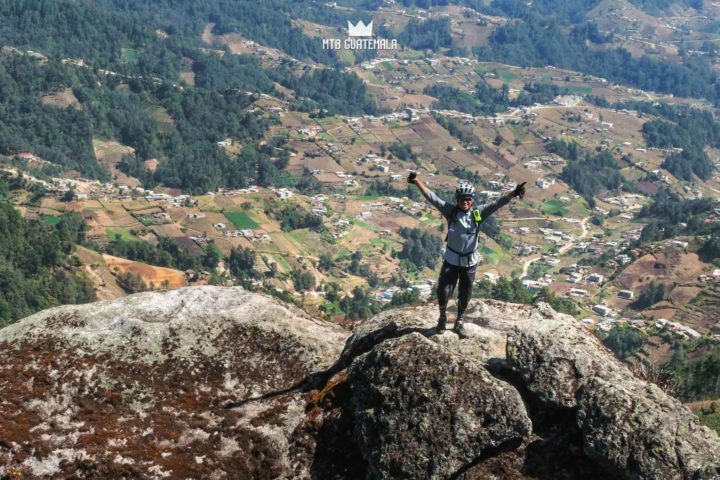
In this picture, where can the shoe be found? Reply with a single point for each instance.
(442, 323)
(458, 326)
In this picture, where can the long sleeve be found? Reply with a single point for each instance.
(444, 207)
(490, 208)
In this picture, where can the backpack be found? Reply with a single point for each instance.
(478, 220)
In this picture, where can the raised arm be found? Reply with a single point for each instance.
(430, 196)
(490, 208)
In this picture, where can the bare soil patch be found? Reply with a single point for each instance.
(149, 274)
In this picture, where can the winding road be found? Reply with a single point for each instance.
(562, 251)
(583, 225)
(527, 264)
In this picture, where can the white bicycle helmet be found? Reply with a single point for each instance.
(464, 190)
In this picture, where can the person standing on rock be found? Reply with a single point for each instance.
(461, 255)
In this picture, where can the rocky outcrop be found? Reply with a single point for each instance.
(636, 431)
(219, 383)
(421, 411)
(555, 355)
(136, 387)
(630, 427)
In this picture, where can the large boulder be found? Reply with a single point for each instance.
(136, 387)
(421, 411)
(554, 354)
(637, 431)
(632, 428)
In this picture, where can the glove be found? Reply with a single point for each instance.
(412, 177)
(519, 190)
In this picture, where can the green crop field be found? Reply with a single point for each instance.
(51, 219)
(481, 69)
(554, 207)
(129, 55)
(578, 208)
(346, 57)
(364, 225)
(506, 76)
(491, 256)
(213, 246)
(124, 234)
(241, 220)
(384, 242)
(580, 90)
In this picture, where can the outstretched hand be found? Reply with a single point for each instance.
(519, 190)
(412, 177)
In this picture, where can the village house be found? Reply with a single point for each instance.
(199, 240)
(623, 259)
(602, 310)
(574, 277)
(596, 278)
(626, 294)
(678, 244)
(319, 210)
(283, 193)
(162, 216)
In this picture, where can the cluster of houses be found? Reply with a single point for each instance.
(663, 325)
(238, 191)
(715, 276)
(423, 288)
(155, 218)
(311, 131)
(251, 235)
(548, 160)
(318, 205)
(677, 328)
(84, 189)
(629, 201)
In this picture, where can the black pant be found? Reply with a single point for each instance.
(449, 276)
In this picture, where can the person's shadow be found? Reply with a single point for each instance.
(316, 380)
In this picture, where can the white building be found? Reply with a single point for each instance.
(595, 278)
(545, 183)
(283, 193)
(601, 310)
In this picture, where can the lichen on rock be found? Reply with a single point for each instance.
(219, 383)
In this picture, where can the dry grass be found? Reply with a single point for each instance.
(671, 266)
(109, 153)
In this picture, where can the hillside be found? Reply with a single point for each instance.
(222, 383)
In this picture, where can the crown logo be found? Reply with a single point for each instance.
(360, 30)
